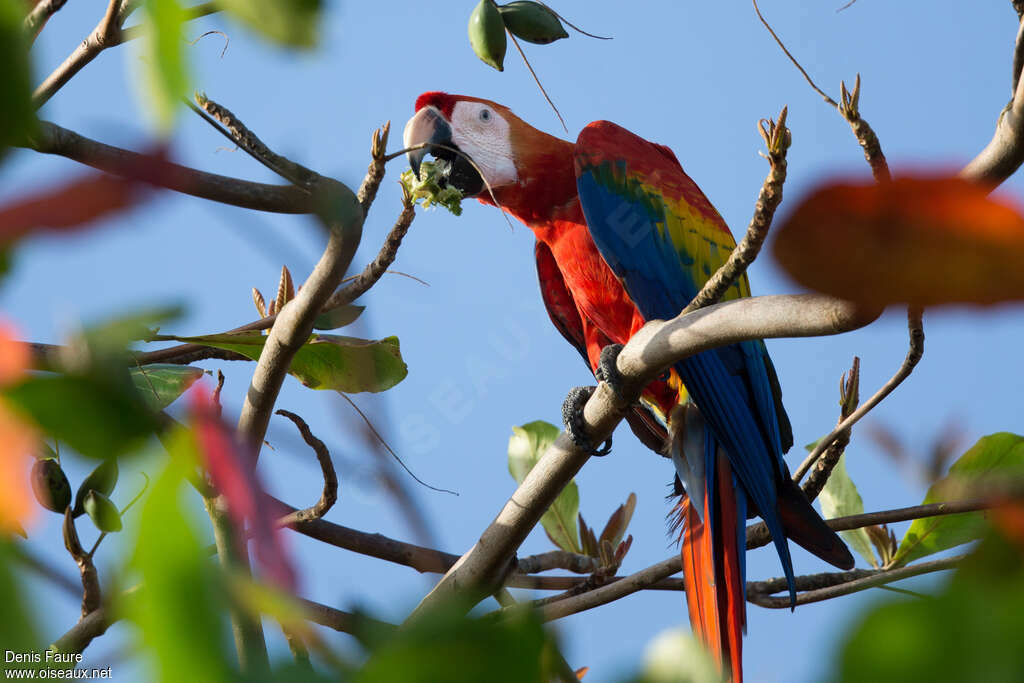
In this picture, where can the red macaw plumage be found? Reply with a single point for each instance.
(625, 236)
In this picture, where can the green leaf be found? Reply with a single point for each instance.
(1000, 454)
(338, 317)
(102, 512)
(17, 631)
(840, 498)
(525, 448)
(114, 335)
(103, 479)
(289, 22)
(445, 645)
(160, 384)
(98, 416)
(166, 71)
(326, 361)
(185, 635)
(969, 632)
(17, 115)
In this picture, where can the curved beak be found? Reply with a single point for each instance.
(428, 127)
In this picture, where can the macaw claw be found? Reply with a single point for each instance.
(572, 416)
(607, 371)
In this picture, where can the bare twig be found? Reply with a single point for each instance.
(367, 191)
(336, 619)
(230, 126)
(757, 534)
(849, 392)
(914, 324)
(537, 80)
(777, 138)
(656, 346)
(22, 554)
(52, 139)
(845, 584)
(91, 595)
(106, 34)
(330, 492)
(863, 132)
(194, 12)
(792, 58)
(558, 559)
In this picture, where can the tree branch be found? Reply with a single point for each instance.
(106, 34)
(40, 14)
(88, 628)
(849, 388)
(52, 139)
(656, 346)
(818, 587)
(1004, 153)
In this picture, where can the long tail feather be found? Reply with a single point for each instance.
(712, 565)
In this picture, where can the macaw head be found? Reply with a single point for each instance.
(487, 147)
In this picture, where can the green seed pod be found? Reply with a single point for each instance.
(532, 22)
(487, 34)
(102, 479)
(50, 485)
(102, 512)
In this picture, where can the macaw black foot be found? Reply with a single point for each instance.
(607, 370)
(572, 416)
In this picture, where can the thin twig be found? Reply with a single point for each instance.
(367, 191)
(88, 628)
(914, 353)
(106, 34)
(323, 456)
(558, 559)
(22, 554)
(849, 394)
(537, 80)
(792, 58)
(865, 135)
(777, 139)
(872, 579)
(194, 12)
(230, 126)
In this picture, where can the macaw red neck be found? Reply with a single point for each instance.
(546, 190)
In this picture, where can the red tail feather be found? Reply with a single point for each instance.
(714, 591)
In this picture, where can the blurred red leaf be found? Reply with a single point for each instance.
(18, 441)
(71, 206)
(231, 469)
(916, 240)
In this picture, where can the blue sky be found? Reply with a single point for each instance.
(481, 352)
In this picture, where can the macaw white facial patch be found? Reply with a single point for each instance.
(483, 134)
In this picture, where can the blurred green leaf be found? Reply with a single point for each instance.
(17, 115)
(445, 645)
(114, 335)
(969, 633)
(326, 361)
(179, 605)
(102, 512)
(840, 498)
(338, 317)
(166, 71)
(1000, 454)
(98, 416)
(161, 385)
(289, 22)
(525, 447)
(17, 630)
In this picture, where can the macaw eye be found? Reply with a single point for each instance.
(485, 115)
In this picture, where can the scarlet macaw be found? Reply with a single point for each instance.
(625, 236)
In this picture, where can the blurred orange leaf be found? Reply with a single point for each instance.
(70, 206)
(17, 442)
(917, 240)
